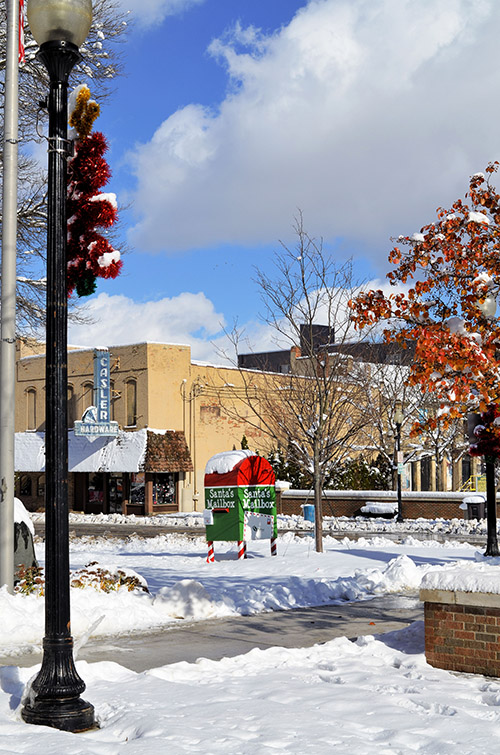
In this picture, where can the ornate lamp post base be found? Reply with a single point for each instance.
(74, 715)
(55, 694)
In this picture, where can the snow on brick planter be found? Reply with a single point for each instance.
(462, 619)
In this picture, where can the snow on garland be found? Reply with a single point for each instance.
(89, 253)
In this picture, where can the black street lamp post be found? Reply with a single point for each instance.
(59, 28)
(398, 419)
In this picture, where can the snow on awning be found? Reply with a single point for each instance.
(125, 452)
(29, 452)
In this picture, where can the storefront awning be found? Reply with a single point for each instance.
(140, 451)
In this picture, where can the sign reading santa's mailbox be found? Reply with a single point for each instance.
(240, 497)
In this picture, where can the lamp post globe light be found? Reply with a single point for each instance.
(59, 27)
(398, 419)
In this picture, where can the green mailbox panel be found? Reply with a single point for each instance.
(240, 497)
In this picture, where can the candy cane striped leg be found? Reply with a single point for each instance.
(274, 548)
(211, 555)
(242, 549)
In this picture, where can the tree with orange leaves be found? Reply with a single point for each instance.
(453, 268)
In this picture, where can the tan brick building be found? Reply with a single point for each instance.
(171, 416)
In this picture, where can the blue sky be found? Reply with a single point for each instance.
(365, 114)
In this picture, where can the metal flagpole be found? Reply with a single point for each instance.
(8, 299)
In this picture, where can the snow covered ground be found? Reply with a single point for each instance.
(375, 694)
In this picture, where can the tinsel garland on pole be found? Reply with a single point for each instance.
(90, 255)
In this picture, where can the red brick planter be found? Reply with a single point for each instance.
(462, 630)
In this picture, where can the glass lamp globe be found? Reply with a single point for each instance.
(398, 413)
(60, 20)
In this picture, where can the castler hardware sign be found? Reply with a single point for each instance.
(96, 420)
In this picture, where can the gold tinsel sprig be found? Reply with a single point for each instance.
(84, 113)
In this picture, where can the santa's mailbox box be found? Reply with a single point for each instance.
(240, 500)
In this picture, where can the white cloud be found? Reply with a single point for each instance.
(151, 12)
(187, 319)
(334, 310)
(366, 114)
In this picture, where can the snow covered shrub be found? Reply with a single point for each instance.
(30, 580)
(93, 575)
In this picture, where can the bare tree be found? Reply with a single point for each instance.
(318, 409)
(444, 440)
(101, 62)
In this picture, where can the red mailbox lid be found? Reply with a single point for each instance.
(249, 470)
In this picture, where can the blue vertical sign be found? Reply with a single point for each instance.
(102, 392)
(96, 419)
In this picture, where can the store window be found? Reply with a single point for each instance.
(131, 394)
(163, 489)
(31, 409)
(41, 486)
(115, 492)
(25, 485)
(137, 487)
(96, 489)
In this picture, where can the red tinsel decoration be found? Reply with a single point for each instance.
(487, 434)
(89, 253)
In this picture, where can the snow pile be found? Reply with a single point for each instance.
(478, 577)
(21, 515)
(177, 519)
(188, 599)
(379, 507)
(96, 613)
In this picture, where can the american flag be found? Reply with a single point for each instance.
(21, 31)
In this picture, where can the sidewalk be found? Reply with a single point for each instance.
(220, 638)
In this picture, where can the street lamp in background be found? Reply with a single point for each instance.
(398, 419)
(59, 28)
(489, 307)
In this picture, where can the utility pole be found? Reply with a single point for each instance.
(8, 299)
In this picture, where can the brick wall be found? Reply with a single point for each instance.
(461, 636)
(430, 506)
